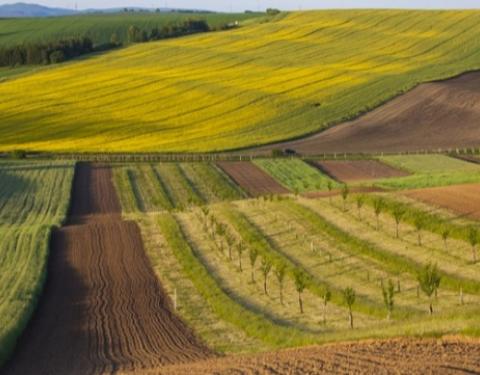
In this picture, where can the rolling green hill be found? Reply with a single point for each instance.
(257, 84)
(99, 27)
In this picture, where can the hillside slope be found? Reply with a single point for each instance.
(436, 115)
(258, 84)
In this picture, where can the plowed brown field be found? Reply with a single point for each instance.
(103, 310)
(357, 170)
(443, 114)
(252, 179)
(463, 199)
(376, 357)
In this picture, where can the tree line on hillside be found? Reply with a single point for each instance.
(63, 50)
(45, 53)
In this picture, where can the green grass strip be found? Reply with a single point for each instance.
(253, 324)
(255, 238)
(392, 262)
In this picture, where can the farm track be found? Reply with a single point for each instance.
(442, 114)
(380, 357)
(103, 310)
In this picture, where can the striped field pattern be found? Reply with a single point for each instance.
(261, 83)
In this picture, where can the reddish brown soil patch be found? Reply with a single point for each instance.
(252, 179)
(443, 114)
(103, 310)
(357, 170)
(463, 199)
(375, 357)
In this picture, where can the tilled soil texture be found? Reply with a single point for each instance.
(357, 170)
(252, 179)
(376, 357)
(442, 114)
(462, 199)
(103, 310)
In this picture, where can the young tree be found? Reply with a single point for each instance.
(253, 255)
(398, 213)
(429, 280)
(266, 267)
(345, 192)
(349, 297)
(445, 235)
(280, 272)
(473, 240)
(300, 285)
(240, 249)
(360, 202)
(388, 292)
(378, 208)
(230, 242)
(327, 296)
(419, 225)
(330, 188)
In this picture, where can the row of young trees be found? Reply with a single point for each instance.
(399, 214)
(45, 53)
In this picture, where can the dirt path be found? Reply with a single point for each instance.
(104, 310)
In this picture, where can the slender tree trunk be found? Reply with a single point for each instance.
(359, 214)
(240, 262)
(229, 252)
(300, 302)
(431, 308)
(265, 284)
(324, 313)
(281, 294)
(351, 319)
(253, 275)
(397, 234)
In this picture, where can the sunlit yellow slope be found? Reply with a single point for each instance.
(225, 90)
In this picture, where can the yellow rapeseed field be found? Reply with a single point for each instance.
(257, 84)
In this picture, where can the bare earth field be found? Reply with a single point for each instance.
(103, 310)
(463, 199)
(375, 357)
(357, 170)
(443, 114)
(252, 179)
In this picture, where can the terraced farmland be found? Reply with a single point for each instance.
(33, 199)
(334, 245)
(266, 82)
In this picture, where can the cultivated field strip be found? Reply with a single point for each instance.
(239, 88)
(296, 175)
(252, 179)
(115, 316)
(357, 170)
(462, 199)
(173, 186)
(33, 199)
(379, 357)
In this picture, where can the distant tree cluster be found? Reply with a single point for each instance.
(48, 53)
(273, 11)
(137, 35)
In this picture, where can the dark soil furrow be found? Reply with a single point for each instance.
(103, 309)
